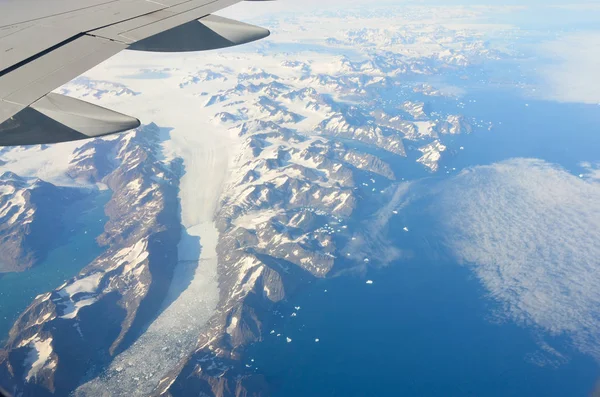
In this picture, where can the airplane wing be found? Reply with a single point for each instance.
(46, 43)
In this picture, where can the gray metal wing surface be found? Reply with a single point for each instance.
(46, 43)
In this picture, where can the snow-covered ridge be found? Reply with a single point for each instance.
(29, 208)
(14, 194)
(83, 87)
(298, 129)
(141, 238)
(431, 155)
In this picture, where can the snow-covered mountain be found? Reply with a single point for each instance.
(264, 158)
(60, 332)
(31, 219)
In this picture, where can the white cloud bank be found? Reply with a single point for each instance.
(531, 233)
(573, 77)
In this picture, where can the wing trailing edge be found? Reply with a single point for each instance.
(209, 33)
(57, 118)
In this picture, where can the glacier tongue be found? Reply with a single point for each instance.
(194, 291)
(173, 335)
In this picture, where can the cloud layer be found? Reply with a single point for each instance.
(531, 233)
(573, 76)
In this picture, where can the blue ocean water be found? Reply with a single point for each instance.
(425, 327)
(560, 133)
(421, 329)
(85, 222)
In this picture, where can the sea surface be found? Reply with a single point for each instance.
(84, 223)
(424, 327)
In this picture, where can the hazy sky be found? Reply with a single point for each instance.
(539, 12)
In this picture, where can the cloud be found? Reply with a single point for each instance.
(530, 231)
(573, 76)
(592, 170)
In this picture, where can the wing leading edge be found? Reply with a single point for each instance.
(30, 115)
